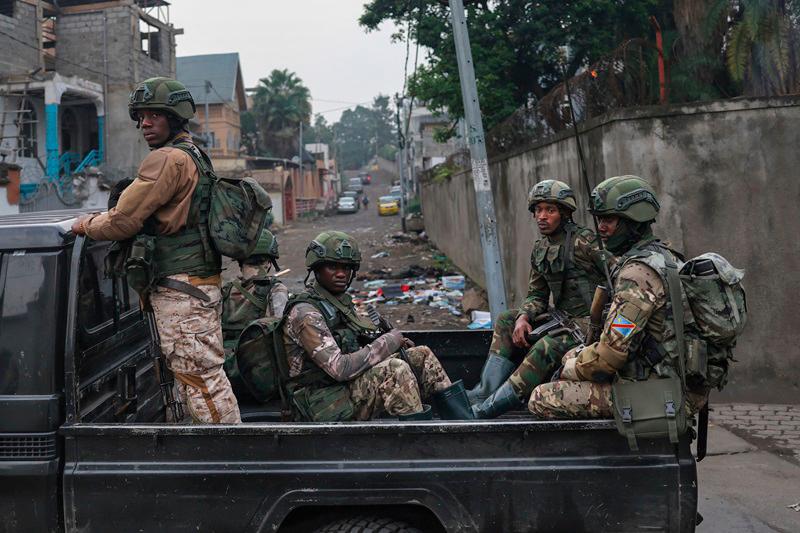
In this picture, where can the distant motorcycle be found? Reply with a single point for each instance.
(365, 201)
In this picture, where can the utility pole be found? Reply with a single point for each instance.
(208, 133)
(401, 165)
(481, 180)
(300, 150)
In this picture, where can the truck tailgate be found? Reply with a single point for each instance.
(502, 475)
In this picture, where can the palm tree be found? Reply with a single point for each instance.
(280, 102)
(763, 47)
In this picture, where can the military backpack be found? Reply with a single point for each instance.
(238, 210)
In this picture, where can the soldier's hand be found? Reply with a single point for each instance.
(78, 227)
(522, 328)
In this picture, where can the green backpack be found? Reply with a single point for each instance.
(261, 358)
(238, 210)
(718, 302)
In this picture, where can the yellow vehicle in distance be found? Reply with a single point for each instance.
(388, 205)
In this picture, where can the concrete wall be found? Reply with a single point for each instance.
(726, 177)
(19, 57)
(92, 52)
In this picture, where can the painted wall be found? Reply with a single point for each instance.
(726, 177)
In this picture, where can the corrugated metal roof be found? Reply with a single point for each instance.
(222, 70)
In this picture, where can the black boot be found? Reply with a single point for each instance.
(503, 400)
(452, 402)
(425, 414)
(495, 371)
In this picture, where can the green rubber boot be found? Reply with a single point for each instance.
(452, 402)
(425, 414)
(495, 371)
(501, 401)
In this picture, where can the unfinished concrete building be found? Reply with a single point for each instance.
(66, 73)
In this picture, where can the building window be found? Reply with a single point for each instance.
(150, 40)
(26, 126)
(7, 7)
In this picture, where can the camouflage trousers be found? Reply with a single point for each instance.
(191, 341)
(391, 386)
(571, 399)
(538, 362)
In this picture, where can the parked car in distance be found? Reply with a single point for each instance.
(395, 192)
(354, 184)
(347, 205)
(388, 205)
(365, 177)
(354, 195)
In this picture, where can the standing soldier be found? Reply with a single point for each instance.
(167, 206)
(340, 367)
(639, 336)
(568, 264)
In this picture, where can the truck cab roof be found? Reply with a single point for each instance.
(38, 229)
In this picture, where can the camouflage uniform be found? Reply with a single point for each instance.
(166, 203)
(572, 296)
(239, 310)
(377, 381)
(639, 328)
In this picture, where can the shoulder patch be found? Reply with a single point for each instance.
(623, 326)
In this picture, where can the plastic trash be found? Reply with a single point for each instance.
(453, 282)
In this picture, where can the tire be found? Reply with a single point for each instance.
(368, 524)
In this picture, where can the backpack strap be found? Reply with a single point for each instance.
(674, 283)
(252, 298)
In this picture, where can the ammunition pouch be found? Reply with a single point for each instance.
(140, 268)
(652, 408)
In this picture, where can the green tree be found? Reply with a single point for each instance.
(516, 45)
(763, 45)
(363, 131)
(319, 132)
(280, 102)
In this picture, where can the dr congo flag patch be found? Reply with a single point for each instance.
(623, 326)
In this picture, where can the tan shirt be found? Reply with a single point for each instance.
(163, 188)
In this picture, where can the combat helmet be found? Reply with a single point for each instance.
(552, 191)
(333, 247)
(164, 94)
(626, 196)
(267, 245)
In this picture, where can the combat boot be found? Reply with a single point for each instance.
(425, 414)
(495, 371)
(452, 402)
(501, 401)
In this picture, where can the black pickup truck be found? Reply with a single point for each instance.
(84, 445)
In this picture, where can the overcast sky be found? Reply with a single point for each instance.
(320, 40)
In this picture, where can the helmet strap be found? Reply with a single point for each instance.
(628, 233)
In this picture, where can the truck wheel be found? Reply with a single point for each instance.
(368, 524)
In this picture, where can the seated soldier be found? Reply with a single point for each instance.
(567, 264)
(255, 294)
(340, 366)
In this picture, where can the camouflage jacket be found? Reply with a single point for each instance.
(328, 334)
(639, 323)
(568, 269)
(248, 299)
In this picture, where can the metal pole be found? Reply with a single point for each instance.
(481, 180)
(300, 150)
(208, 133)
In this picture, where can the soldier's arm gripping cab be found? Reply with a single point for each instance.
(84, 446)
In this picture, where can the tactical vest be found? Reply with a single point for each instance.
(190, 250)
(349, 332)
(237, 314)
(314, 394)
(572, 287)
(656, 350)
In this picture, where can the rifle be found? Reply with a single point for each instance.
(384, 327)
(596, 320)
(554, 321)
(162, 372)
(585, 176)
